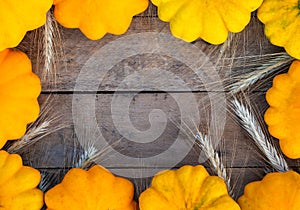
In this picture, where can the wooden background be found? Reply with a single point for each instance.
(54, 152)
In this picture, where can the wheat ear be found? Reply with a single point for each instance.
(249, 122)
(274, 62)
(47, 123)
(48, 42)
(52, 47)
(49, 179)
(86, 156)
(206, 144)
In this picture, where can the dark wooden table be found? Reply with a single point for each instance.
(140, 95)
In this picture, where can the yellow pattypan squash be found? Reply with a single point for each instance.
(17, 17)
(95, 18)
(18, 184)
(276, 191)
(209, 20)
(282, 117)
(187, 188)
(282, 24)
(95, 189)
(19, 89)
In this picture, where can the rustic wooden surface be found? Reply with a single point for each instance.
(240, 155)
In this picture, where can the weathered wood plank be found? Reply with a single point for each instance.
(148, 128)
(145, 51)
(239, 177)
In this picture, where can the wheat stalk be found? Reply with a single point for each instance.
(79, 160)
(36, 131)
(227, 45)
(47, 123)
(49, 179)
(254, 129)
(48, 42)
(51, 46)
(89, 154)
(206, 144)
(86, 158)
(273, 62)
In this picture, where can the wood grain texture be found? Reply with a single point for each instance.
(235, 147)
(239, 176)
(150, 82)
(78, 50)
